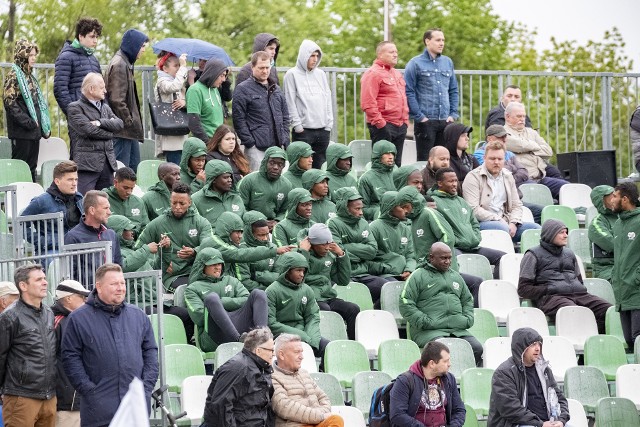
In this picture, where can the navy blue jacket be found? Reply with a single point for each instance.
(103, 348)
(72, 65)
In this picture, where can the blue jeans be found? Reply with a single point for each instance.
(499, 225)
(127, 151)
(173, 156)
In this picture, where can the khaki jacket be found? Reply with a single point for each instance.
(477, 192)
(530, 149)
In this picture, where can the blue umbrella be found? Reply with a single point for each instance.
(194, 48)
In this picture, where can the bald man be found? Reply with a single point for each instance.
(157, 197)
(436, 302)
(438, 158)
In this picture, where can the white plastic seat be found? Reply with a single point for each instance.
(498, 240)
(510, 268)
(193, 396)
(529, 317)
(581, 266)
(527, 215)
(137, 191)
(351, 415)
(560, 354)
(496, 351)
(53, 148)
(25, 192)
(627, 380)
(308, 358)
(499, 297)
(578, 416)
(575, 196)
(373, 327)
(409, 153)
(576, 324)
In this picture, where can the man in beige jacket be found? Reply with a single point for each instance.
(297, 401)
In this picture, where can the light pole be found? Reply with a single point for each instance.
(387, 30)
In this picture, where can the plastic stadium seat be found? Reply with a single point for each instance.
(579, 243)
(344, 359)
(53, 148)
(575, 195)
(390, 300)
(636, 350)
(536, 194)
(600, 288)
(362, 151)
(373, 327)
(356, 293)
(461, 355)
(613, 325)
(5, 147)
(364, 384)
(471, 418)
(226, 351)
(476, 265)
(409, 154)
(193, 397)
(119, 165)
(606, 353)
(330, 385)
(498, 240)
(562, 213)
(586, 384)
(352, 416)
(529, 239)
(627, 380)
(178, 296)
(592, 211)
(148, 173)
(559, 351)
(308, 358)
(332, 326)
(12, 170)
(510, 268)
(616, 412)
(578, 416)
(496, 351)
(576, 324)
(527, 215)
(172, 327)
(137, 191)
(25, 192)
(395, 356)
(527, 317)
(484, 325)
(499, 297)
(182, 361)
(46, 172)
(475, 389)
(148, 150)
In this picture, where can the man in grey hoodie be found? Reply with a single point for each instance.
(308, 96)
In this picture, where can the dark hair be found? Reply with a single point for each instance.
(91, 199)
(429, 33)
(236, 156)
(85, 25)
(628, 190)
(63, 168)
(22, 274)
(511, 87)
(125, 174)
(440, 173)
(105, 268)
(260, 55)
(432, 351)
(259, 224)
(181, 188)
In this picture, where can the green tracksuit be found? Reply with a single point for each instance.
(339, 178)
(191, 146)
(626, 269)
(157, 199)
(295, 151)
(323, 208)
(601, 234)
(377, 180)
(326, 271)
(211, 203)
(258, 274)
(286, 231)
(132, 208)
(460, 217)
(401, 175)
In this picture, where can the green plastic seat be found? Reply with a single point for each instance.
(600, 288)
(207, 356)
(616, 412)
(5, 147)
(475, 389)
(530, 238)
(613, 325)
(330, 385)
(172, 327)
(471, 419)
(476, 265)
(395, 356)
(606, 353)
(561, 213)
(182, 361)
(636, 350)
(484, 325)
(356, 293)
(364, 384)
(390, 300)
(46, 172)
(332, 326)
(148, 173)
(536, 194)
(148, 150)
(579, 243)
(461, 355)
(344, 359)
(226, 351)
(3, 222)
(586, 384)
(12, 170)
(361, 150)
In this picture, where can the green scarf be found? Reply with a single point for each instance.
(76, 43)
(45, 124)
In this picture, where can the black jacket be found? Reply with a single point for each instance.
(68, 398)
(240, 393)
(27, 351)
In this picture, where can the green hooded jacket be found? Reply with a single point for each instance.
(286, 231)
(339, 178)
(157, 199)
(601, 233)
(293, 308)
(352, 233)
(232, 294)
(132, 208)
(210, 203)
(193, 147)
(626, 270)
(401, 175)
(323, 209)
(191, 230)
(377, 180)
(460, 217)
(262, 194)
(258, 274)
(295, 151)
(395, 253)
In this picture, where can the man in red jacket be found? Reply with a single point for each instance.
(383, 99)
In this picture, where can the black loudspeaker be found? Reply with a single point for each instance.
(589, 167)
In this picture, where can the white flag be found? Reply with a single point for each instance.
(133, 408)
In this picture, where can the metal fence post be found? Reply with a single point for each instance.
(607, 122)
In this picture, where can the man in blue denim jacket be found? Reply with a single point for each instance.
(432, 93)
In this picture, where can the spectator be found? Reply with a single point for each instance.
(427, 394)
(300, 156)
(601, 232)
(192, 163)
(25, 106)
(496, 115)
(491, 192)
(123, 97)
(432, 93)
(383, 99)
(75, 61)
(92, 126)
(240, 392)
(456, 140)
(329, 265)
(550, 276)
(123, 202)
(70, 295)
(217, 195)
(157, 199)
(258, 274)
(298, 218)
(439, 158)
(408, 175)
(308, 96)
(442, 309)
(260, 113)
(61, 196)
(230, 308)
(634, 137)
(180, 232)
(172, 75)
(8, 295)
(297, 399)
(266, 190)
(317, 182)
(107, 344)
(263, 42)
(377, 180)
(224, 146)
(339, 162)
(523, 389)
(204, 103)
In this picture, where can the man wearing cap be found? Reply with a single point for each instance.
(496, 115)
(317, 182)
(339, 162)
(8, 295)
(300, 157)
(298, 218)
(377, 180)
(70, 295)
(204, 104)
(329, 264)
(157, 198)
(550, 276)
(601, 232)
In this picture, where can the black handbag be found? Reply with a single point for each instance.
(166, 120)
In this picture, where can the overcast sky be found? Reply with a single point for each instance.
(579, 20)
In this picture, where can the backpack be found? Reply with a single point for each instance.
(380, 403)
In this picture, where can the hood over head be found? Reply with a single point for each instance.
(212, 70)
(262, 40)
(379, 148)
(286, 262)
(387, 203)
(120, 223)
(297, 196)
(193, 147)
(336, 152)
(249, 218)
(550, 229)
(342, 197)
(418, 202)
(213, 169)
(597, 195)
(275, 152)
(312, 177)
(226, 223)
(21, 54)
(307, 47)
(131, 43)
(451, 136)
(401, 175)
(206, 256)
(522, 338)
(295, 151)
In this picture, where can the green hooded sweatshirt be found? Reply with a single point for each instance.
(193, 147)
(295, 151)
(157, 199)
(377, 180)
(601, 233)
(293, 308)
(339, 178)
(210, 203)
(191, 230)
(286, 231)
(352, 233)
(460, 217)
(232, 294)
(401, 175)
(323, 208)
(395, 253)
(133, 208)
(626, 270)
(262, 194)
(259, 274)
